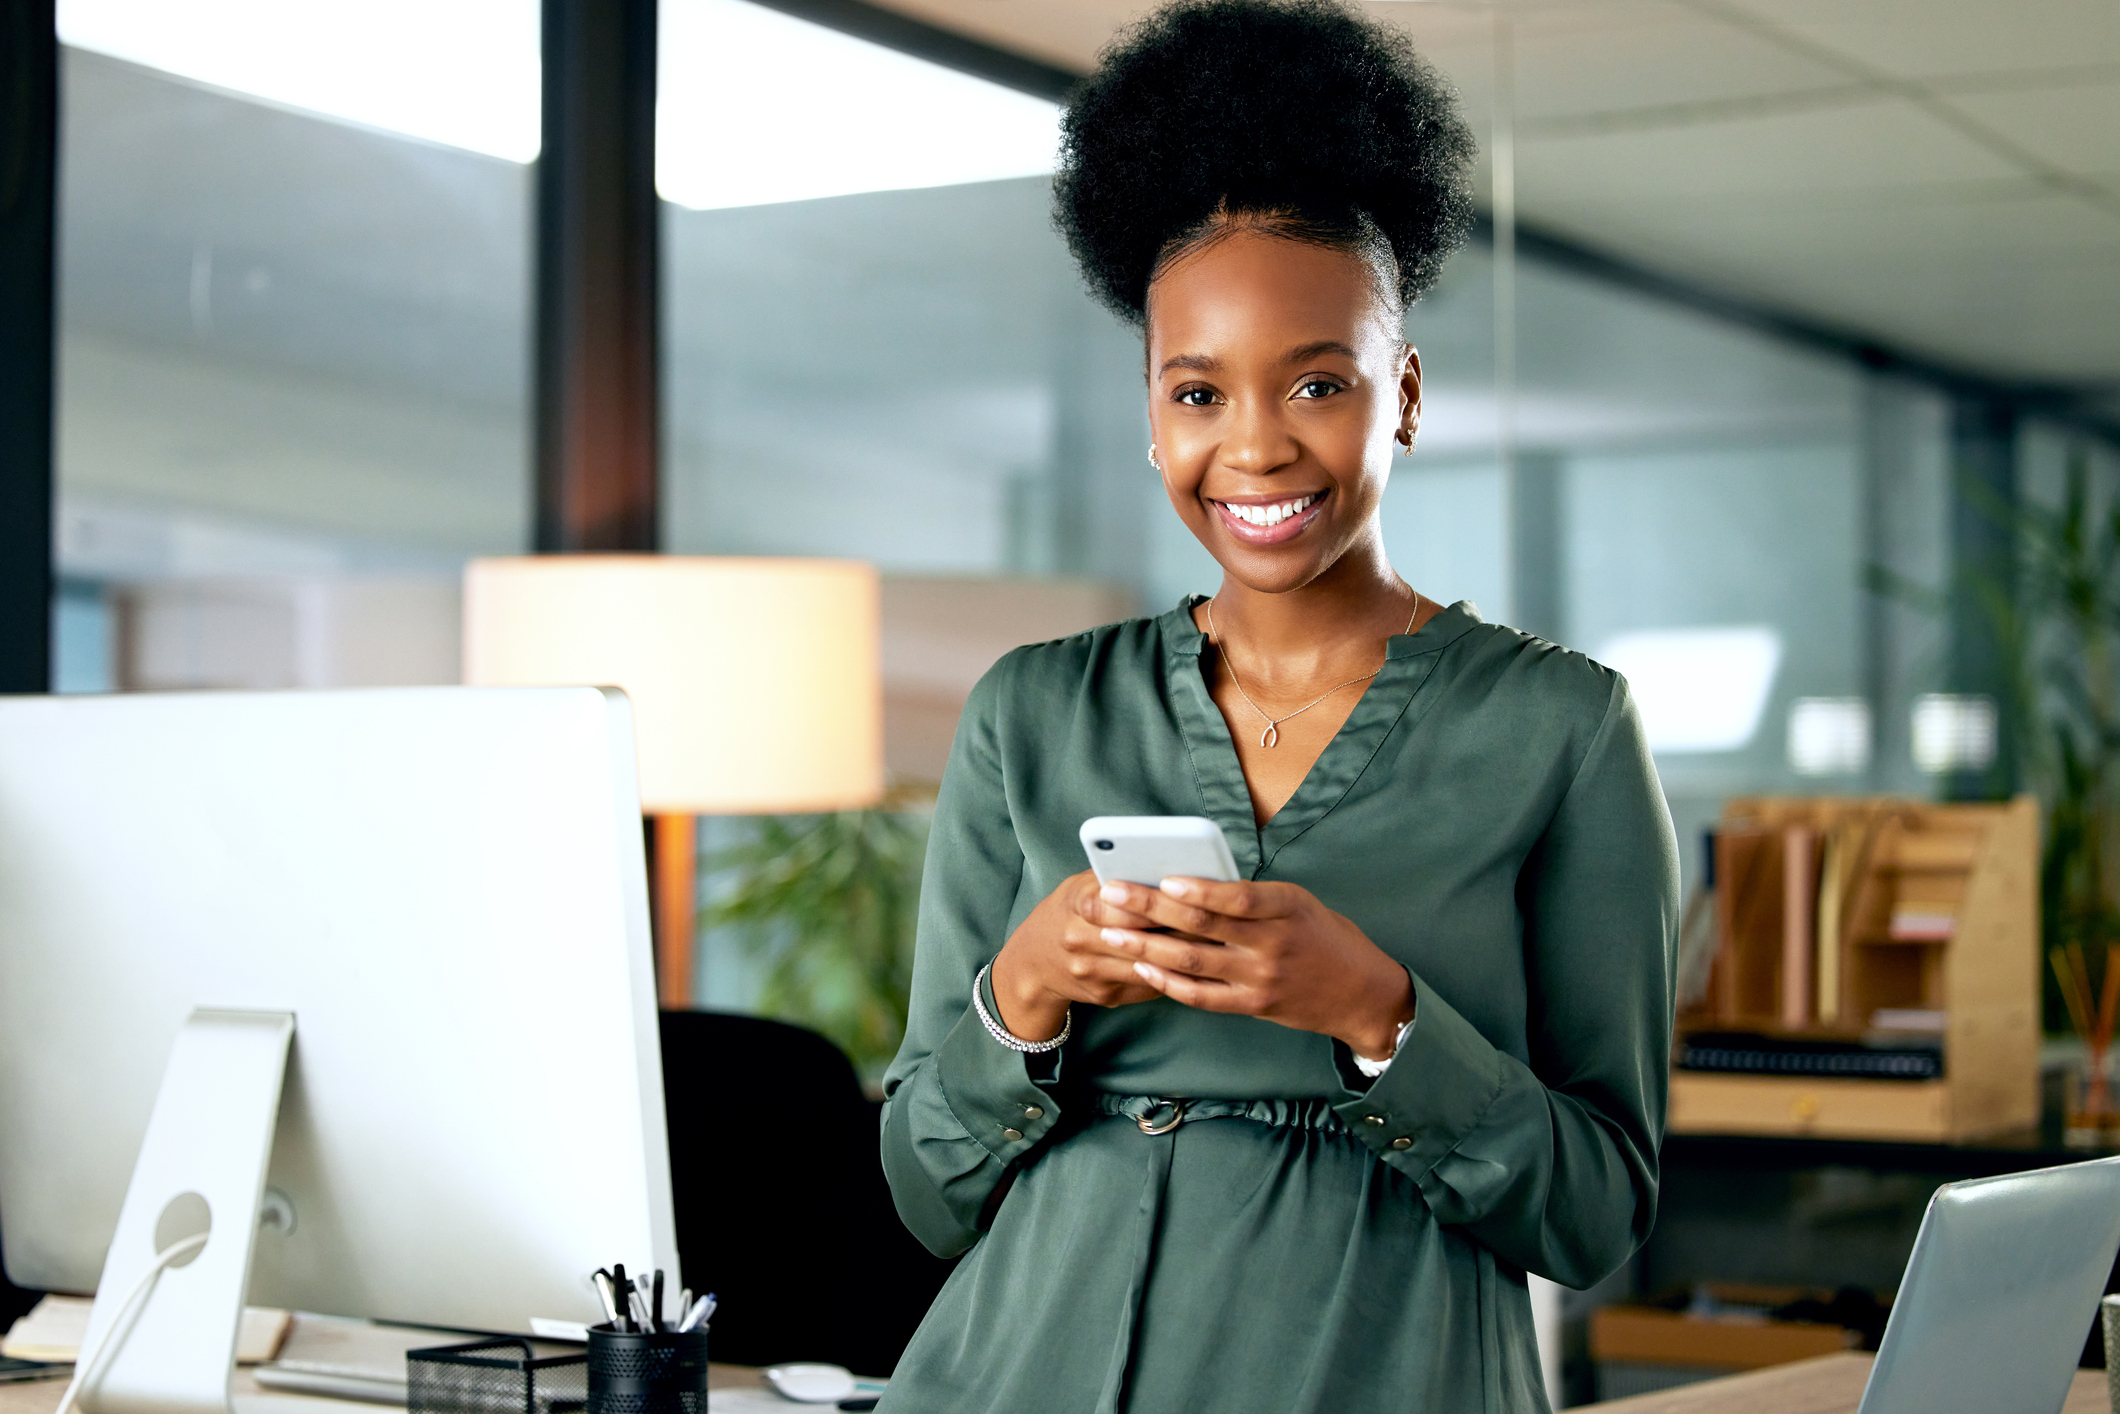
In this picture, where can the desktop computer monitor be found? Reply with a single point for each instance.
(443, 887)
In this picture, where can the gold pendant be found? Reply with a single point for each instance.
(1271, 735)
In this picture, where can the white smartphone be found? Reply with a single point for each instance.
(1147, 849)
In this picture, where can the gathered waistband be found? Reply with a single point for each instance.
(1161, 1114)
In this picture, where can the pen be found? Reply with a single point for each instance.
(655, 1306)
(623, 1290)
(697, 1315)
(605, 1293)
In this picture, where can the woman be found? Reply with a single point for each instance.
(1291, 1143)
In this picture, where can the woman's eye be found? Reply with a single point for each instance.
(1318, 388)
(1196, 397)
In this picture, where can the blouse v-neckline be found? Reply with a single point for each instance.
(1409, 659)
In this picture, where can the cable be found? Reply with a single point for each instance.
(87, 1367)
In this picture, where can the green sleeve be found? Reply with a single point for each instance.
(954, 1095)
(1552, 1165)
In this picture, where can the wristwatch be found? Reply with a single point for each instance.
(1374, 1068)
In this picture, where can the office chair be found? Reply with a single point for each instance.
(782, 1209)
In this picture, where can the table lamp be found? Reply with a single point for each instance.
(755, 685)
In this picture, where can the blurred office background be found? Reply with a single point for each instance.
(1793, 293)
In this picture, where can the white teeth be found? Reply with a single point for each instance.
(1269, 516)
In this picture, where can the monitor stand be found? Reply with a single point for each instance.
(202, 1165)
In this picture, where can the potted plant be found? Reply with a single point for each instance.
(827, 903)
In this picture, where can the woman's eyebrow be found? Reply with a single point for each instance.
(1307, 352)
(1304, 353)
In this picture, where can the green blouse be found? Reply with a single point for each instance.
(1305, 1239)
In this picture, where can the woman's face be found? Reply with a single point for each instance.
(1278, 384)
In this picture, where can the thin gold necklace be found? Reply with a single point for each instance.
(1272, 735)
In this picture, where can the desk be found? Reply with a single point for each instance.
(1830, 1384)
(42, 1396)
(1811, 1212)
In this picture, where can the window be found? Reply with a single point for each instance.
(293, 318)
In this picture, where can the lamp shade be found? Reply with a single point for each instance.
(755, 682)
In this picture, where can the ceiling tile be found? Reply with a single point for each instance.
(1913, 38)
(1882, 145)
(2026, 285)
(1068, 33)
(2076, 129)
(1598, 58)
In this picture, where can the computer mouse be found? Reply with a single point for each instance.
(811, 1384)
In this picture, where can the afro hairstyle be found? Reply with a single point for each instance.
(1297, 117)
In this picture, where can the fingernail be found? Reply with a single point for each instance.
(1116, 937)
(1145, 972)
(1177, 888)
(1113, 893)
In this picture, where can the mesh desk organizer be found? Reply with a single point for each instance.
(504, 1375)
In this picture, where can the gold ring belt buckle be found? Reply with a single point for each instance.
(1148, 1121)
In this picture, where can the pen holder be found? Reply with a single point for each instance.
(647, 1372)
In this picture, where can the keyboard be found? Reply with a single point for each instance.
(365, 1383)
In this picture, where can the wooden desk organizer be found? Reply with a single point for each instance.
(1831, 909)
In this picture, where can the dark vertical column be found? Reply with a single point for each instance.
(29, 128)
(598, 276)
(29, 132)
(1538, 572)
(1978, 655)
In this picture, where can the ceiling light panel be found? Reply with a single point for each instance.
(759, 107)
(755, 106)
(465, 74)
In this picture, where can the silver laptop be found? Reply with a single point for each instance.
(2000, 1293)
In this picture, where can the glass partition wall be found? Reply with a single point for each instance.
(915, 377)
(292, 336)
(294, 329)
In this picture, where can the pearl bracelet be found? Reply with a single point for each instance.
(1375, 1068)
(1007, 1037)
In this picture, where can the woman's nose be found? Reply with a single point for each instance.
(1257, 441)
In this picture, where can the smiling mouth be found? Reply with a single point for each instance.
(1269, 522)
(1268, 516)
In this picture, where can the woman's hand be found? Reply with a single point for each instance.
(1263, 949)
(1059, 955)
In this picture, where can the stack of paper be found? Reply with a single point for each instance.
(54, 1328)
